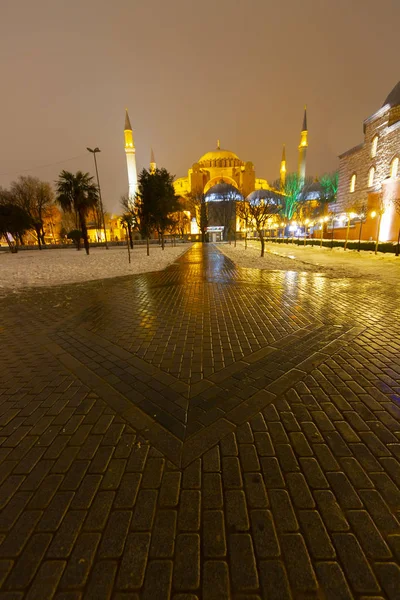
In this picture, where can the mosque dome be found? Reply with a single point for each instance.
(218, 154)
(394, 97)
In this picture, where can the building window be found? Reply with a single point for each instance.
(353, 183)
(374, 146)
(394, 167)
(371, 176)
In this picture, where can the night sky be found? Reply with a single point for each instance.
(189, 72)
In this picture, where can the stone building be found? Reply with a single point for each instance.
(369, 175)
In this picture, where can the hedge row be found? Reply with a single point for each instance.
(351, 245)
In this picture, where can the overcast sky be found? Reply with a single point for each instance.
(189, 72)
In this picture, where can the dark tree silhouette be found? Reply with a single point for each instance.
(77, 193)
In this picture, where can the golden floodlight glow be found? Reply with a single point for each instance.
(352, 215)
(282, 224)
(373, 214)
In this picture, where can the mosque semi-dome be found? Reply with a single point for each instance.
(394, 97)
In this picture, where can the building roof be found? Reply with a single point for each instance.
(394, 97)
(218, 154)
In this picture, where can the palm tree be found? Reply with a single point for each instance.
(77, 193)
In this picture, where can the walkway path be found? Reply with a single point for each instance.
(202, 432)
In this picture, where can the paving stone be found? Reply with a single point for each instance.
(143, 515)
(192, 476)
(170, 489)
(186, 574)
(163, 537)
(274, 580)
(20, 534)
(256, 493)
(264, 534)
(66, 536)
(379, 511)
(231, 475)
(29, 561)
(248, 458)
(355, 563)
(368, 535)
(331, 512)
(215, 581)
(228, 445)
(46, 580)
(243, 564)
(264, 444)
(80, 562)
(99, 511)
(212, 491)
(189, 510)
(115, 533)
(211, 460)
(282, 510)
(134, 561)
(316, 535)
(84, 496)
(299, 491)
(333, 582)
(389, 578)
(298, 564)
(158, 579)
(214, 542)
(344, 491)
(237, 518)
(272, 473)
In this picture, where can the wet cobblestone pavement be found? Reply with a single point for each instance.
(205, 432)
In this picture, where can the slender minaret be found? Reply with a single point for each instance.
(283, 168)
(303, 148)
(153, 165)
(130, 157)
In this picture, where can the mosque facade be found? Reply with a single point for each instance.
(369, 176)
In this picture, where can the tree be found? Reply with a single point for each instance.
(78, 193)
(293, 191)
(396, 204)
(35, 197)
(154, 203)
(75, 235)
(262, 205)
(244, 214)
(329, 186)
(128, 216)
(127, 223)
(166, 202)
(199, 209)
(14, 221)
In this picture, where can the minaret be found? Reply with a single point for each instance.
(130, 157)
(283, 168)
(153, 165)
(303, 148)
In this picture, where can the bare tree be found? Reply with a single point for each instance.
(35, 197)
(197, 205)
(396, 204)
(244, 214)
(262, 205)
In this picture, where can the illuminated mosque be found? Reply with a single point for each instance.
(214, 167)
(369, 176)
(224, 166)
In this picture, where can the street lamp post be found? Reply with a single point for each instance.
(94, 152)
